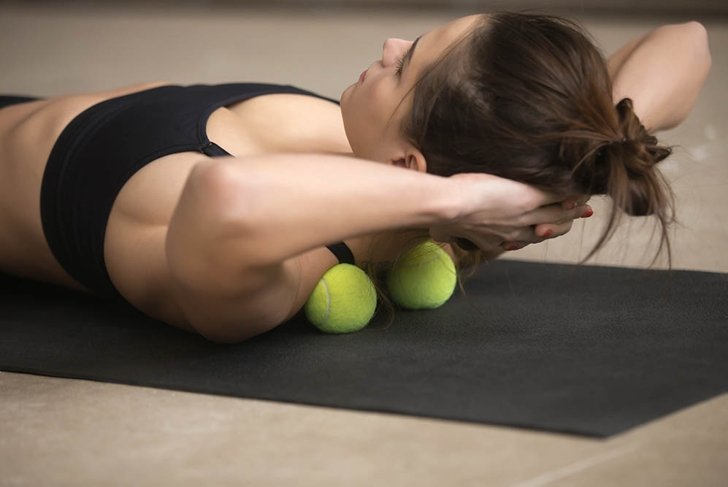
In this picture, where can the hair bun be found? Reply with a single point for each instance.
(628, 160)
(647, 152)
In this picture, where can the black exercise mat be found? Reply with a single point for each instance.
(584, 350)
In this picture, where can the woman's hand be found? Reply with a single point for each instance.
(505, 214)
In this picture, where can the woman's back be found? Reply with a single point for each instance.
(28, 132)
(136, 229)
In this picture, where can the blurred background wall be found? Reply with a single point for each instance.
(50, 48)
(674, 7)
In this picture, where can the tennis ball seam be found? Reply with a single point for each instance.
(328, 300)
(413, 257)
(419, 263)
(422, 270)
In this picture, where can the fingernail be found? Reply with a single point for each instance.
(547, 233)
(589, 212)
(510, 246)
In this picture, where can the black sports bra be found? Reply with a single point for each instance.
(101, 148)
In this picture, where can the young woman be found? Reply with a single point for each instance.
(215, 208)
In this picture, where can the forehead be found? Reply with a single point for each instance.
(446, 34)
(435, 42)
(429, 48)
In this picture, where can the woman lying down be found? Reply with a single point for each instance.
(214, 208)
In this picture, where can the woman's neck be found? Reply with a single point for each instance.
(381, 248)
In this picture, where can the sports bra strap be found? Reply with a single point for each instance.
(342, 252)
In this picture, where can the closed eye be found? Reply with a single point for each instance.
(407, 57)
(400, 65)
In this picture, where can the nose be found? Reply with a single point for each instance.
(394, 49)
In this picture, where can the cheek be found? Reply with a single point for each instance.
(374, 104)
(378, 94)
(364, 110)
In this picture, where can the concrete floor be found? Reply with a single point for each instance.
(72, 432)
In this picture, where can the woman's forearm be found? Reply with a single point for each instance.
(274, 207)
(663, 73)
(241, 232)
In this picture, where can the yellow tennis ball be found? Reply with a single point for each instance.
(343, 301)
(424, 277)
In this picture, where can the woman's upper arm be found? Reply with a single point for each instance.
(273, 295)
(693, 32)
(662, 73)
(225, 294)
(231, 317)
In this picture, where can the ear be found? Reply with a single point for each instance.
(412, 159)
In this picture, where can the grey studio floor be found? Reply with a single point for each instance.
(74, 432)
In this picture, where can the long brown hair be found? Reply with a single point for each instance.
(529, 97)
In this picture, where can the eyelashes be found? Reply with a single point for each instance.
(407, 55)
(400, 65)
(400, 61)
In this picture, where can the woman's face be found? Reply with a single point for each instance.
(374, 107)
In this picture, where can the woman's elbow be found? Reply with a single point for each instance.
(228, 333)
(260, 303)
(228, 336)
(693, 35)
(698, 36)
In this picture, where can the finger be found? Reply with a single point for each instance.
(546, 198)
(549, 230)
(513, 245)
(530, 236)
(575, 200)
(556, 229)
(553, 214)
(534, 196)
(524, 235)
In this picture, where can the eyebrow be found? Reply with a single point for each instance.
(410, 53)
